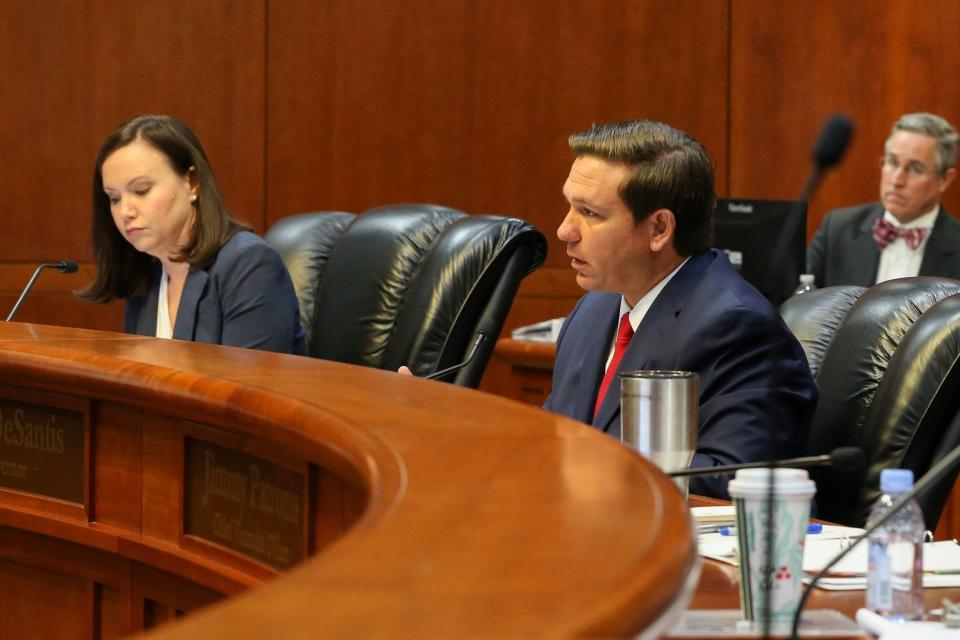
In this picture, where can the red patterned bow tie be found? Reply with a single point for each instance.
(884, 233)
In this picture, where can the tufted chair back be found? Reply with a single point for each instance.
(888, 380)
(406, 284)
(815, 316)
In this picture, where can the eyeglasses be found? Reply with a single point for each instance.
(913, 168)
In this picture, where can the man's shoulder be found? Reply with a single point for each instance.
(244, 247)
(723, 283)
(846, 216)
(946, 221)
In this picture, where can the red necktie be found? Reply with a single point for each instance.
(624, 333)
(884, 233)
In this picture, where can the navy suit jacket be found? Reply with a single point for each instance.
(756, 393)
(843, 250)
(244, 298)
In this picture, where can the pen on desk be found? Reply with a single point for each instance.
(813, 527)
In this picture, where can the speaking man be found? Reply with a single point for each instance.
(908, 232)
(637, 232)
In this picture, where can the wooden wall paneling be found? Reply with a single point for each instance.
(381, 114)
(335, 505)
(162, 460)
(72, 72)
(87, 588)
(547, 69)
(794, 63)
(111, 613)
(163, 596)
(30, 617)
(118, 465)
(469, 104)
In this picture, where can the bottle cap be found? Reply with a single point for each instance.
(896, 480)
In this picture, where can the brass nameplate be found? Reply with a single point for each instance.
(245, 503)
(41, 450)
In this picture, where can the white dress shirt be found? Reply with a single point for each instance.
(898, 260)
(639, 310)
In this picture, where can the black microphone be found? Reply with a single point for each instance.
(481, 336)
(841, 459)
(828, 150)
(928, 480)
(64, 266)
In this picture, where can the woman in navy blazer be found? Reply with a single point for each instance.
(164, 241)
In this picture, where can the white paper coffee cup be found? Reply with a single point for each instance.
(779, 573)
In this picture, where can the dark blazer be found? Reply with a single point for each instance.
(843, 250)
(244, 298)
(756, 393)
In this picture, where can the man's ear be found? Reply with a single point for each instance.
(662, 225)
(948, 177)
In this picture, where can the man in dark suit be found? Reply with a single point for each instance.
(641, 204)
(908, 232)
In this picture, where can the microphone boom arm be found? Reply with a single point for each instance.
(808, 461)
(481, 336)
(930, 478)
(65, 266)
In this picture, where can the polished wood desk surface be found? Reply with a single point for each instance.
(482, 516)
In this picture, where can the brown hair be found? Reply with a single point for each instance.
(124, 272)
(671, 171)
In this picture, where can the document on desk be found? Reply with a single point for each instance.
(941, 560)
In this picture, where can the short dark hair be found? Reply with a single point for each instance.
(671, 171)
(124, 272)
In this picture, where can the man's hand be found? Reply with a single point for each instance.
(405, 371)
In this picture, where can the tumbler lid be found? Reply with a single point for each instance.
(659, 374)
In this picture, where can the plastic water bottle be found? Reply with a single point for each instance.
(806, 284)
(895, 574)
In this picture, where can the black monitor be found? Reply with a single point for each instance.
(766, 242)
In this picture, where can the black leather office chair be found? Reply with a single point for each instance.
(406, 284)
(814, 317)
(889, 381)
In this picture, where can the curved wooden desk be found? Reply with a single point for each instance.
(428, 510)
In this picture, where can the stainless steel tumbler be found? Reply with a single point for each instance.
(658, 417)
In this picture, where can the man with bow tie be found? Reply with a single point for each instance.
(907, 233)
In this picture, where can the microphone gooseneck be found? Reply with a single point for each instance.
(64, 266)
(481, 336)
(930, 478)
(841, 458)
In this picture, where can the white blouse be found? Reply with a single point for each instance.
(164, 327)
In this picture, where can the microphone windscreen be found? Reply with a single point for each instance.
(68, 266)
(847, 458)
(833, 141)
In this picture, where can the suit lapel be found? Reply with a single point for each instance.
(863, 249)
(592, 356)
(186, 324)
(653, 332)
(147, 320)
(941, 247)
